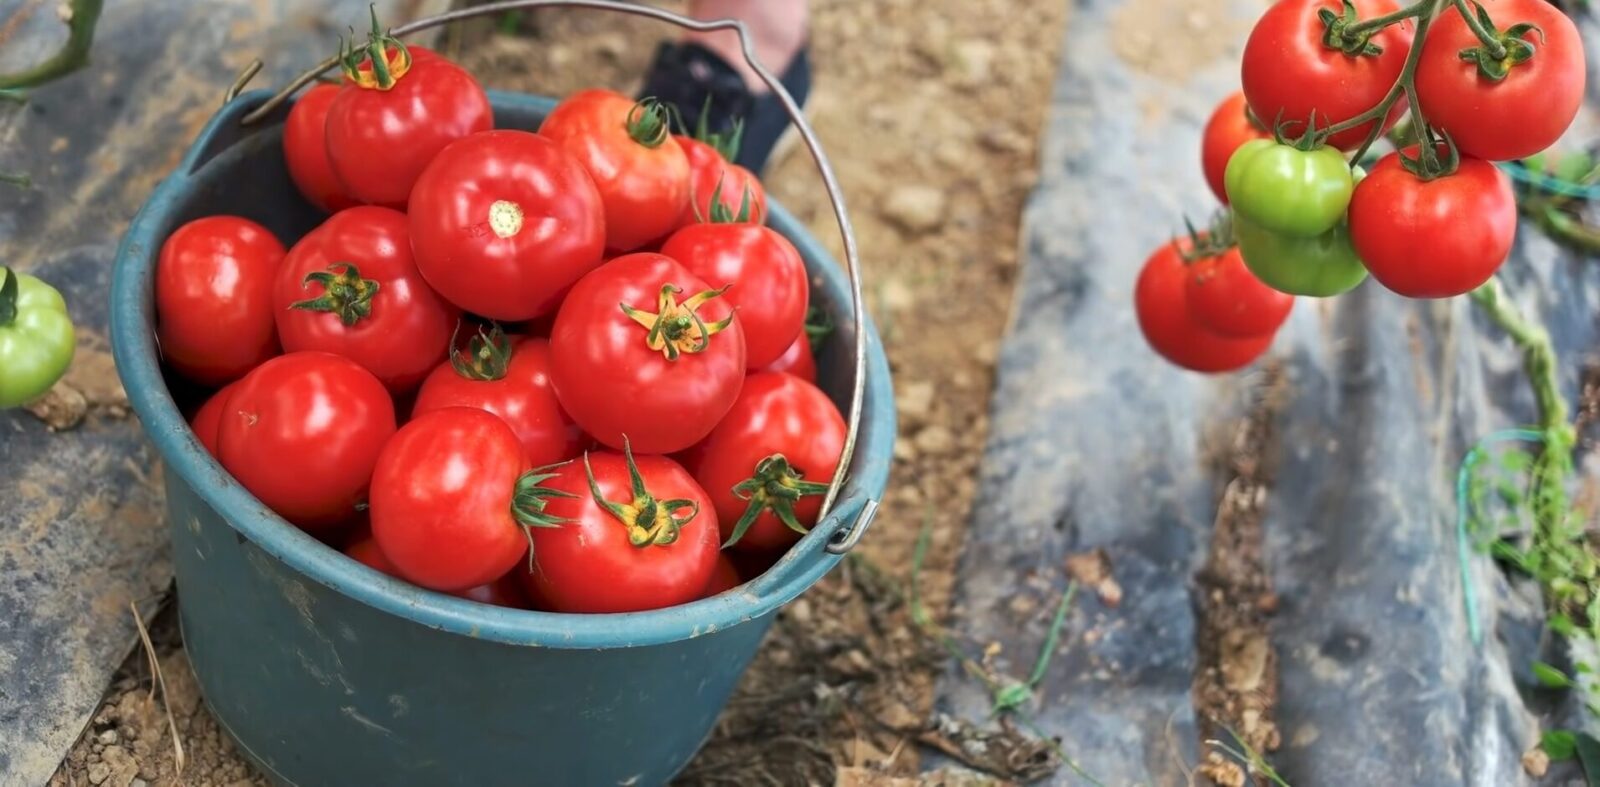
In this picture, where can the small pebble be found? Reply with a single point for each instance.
(935, 439)
(98, 772)
(915, 209)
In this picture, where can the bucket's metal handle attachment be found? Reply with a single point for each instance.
(824, 168)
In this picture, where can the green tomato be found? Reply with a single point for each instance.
(36, 338)
(1319, 267)
(1287, 190)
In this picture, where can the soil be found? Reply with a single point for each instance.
(1236, 674)
(930, 111)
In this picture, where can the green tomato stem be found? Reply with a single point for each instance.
(1497, 50)
(1378, 22)
(81, 17)
(9, 284)
(1424, 12)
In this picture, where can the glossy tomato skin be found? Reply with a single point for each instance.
(503, 592)
(1433, 239)
(1320, 267)
(798, 360)
(302, 432)
(1520, 115)
(379, 141)
(1225, 297)
(644, 188)
(406, 332)
(614, 385)
(208, 419)
(1288, 73)
(765, 277)
(776, 414)
(1287, 190)
(712, 175)
(589, 565)
(1229, 127)
(503, 222)
(1161, 302)
(214, 298)
(305, 150)
(523, 398)
(441, 499)
(724, 577)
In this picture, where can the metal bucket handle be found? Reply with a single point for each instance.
(843, 540)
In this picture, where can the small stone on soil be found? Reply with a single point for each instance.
(1536, 763)
(935, 439)
(915, 209)
(914, 401)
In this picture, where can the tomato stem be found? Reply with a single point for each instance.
(1496, 49)
(720, 213)
(1379, 22)
(1404, 86)
(677, 328)
(487, 357)
(725, 144)
(9, 284)
(530, 498)
(344, 293)
(776, 486)
(386, 69)
(649, 122)
(819, 326)
(649, 521)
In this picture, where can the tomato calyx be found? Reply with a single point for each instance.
(776, 486)
(1346, 33)
(720, 213)
(1427, 164)
(10, 283)
(726, 145)
(649, 521)
(531, 497)
(344, 293)
(1500, 51)
(819, 326)
(676, 328)
(1205, 244)
(649, 122)
(1309, 139)
(387, 67)
(487, 357)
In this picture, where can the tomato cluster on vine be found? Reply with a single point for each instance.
(560, 370)
(1482, 81)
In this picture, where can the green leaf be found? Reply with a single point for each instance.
(1589, 757)
(1574, 166)
(1550, 676)
(1559, 744)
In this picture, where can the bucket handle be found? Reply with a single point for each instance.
(848, 534)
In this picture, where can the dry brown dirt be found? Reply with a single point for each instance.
(930, 110)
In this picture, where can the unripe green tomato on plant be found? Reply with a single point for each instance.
(1320, 266)
(36, 337)
(1284, 189)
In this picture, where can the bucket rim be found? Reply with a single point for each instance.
(134, 350)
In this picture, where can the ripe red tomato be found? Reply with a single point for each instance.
(628, 541)
(1289, 73)
(379, 140)
(1229, 127)
(797, 360)
(302, 432)
(504, 222)
(503, 592)
(1224, 296)
(724, 577)
(764, 276)
(767, 465)
(661, 370)
(641, 171)
(209, 418)
(305, 150)
(350, 287)
(1161, 301)
(711, 175)
(1529, 107)
(1437, 238)
(510, 377)
(451, 497)
(214, 298)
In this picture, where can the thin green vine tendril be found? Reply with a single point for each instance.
(1469, 592)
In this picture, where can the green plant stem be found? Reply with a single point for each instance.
(14, 96)
(1424, 11)
(1377, 22)
(20, 180)
(1496, 49)
(1539, 357)
(82, 16)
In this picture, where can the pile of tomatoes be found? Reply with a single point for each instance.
(1323, 80)
(565, 370)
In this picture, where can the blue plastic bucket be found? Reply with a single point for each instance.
(329, 673)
